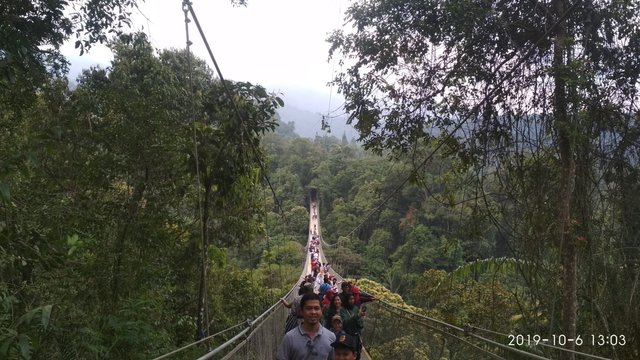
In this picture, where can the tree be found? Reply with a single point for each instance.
(34, 31)
(498, 84)
(99, 201)
(227, 160)
(99, 223)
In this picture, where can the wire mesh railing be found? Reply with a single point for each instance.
(262, 338)
(391, 334)
(390, 331)
(262, 342)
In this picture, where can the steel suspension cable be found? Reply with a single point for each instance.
(233, 103)
(253, 325)
(443, 332)
(203, 307)
(473, 327)
(481, 338)
(215, 351)
(199, 341)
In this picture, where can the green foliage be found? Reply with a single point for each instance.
(100, 203)
(374, 253)
(34, 31)
(402, 347)
(381, 292)
(466, 301)
(493, 266)
(533, 104)
(21, 335)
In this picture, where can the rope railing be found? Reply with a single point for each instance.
(260, 338)
(543, 344)
(384, 312)
(266, 331)
(174, 352)
(390, 331)
(390, 327)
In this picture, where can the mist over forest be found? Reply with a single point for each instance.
(148, 206)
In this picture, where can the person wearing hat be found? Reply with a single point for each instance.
(345, 347)
(336, 324)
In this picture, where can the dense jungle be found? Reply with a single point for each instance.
(496, 184)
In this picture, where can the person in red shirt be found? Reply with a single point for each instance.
(355, 290)
(326, 300)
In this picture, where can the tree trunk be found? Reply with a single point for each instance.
(203, 310)
(563, 128)
(118, 247)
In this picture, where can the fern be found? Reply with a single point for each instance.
(480, 267)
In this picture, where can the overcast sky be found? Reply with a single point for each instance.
(280, 44)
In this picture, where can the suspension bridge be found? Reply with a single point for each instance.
(394, 332)
(390, 331)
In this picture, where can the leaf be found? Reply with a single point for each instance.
(279, 101)
(27, 317)
(5, 343)
(5, 191)
(25, 346)
(72, 240)
(46, 316)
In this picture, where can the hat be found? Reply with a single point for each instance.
(336, 317)
(344, 340)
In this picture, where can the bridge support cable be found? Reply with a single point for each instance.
(224, 346)
(203, 302)
(429, 338)
(543, 344)
(386, 327)
(469, 332)
(189, 6)
(264, 335)
(385, 313)
(261, 333)
(186, 347)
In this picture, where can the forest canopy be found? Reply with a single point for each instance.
(497, 168)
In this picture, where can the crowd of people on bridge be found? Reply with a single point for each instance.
(310, 340)
(325, 320)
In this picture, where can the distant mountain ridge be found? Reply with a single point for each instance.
(308, 124)
(301, 105)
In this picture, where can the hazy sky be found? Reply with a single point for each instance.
(280, 44)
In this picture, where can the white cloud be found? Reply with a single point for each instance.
(277, 43)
